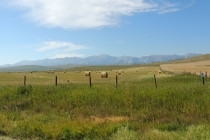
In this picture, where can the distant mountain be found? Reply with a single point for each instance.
(98, 60)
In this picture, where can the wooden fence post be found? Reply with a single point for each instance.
(116, 81)
(90, 81)
(56, 80)
(203, 79)
(155, 81)
(24, 81)
(202, 75)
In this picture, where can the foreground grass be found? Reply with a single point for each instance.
(178, 109)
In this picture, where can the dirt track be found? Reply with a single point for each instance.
(191, 67)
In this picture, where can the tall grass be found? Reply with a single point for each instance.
(179, 108)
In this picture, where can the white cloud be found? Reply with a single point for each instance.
(72, 14)
(61, 49)
(168, 7)
(68, 46)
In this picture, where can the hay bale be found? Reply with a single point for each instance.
(50, 71)
(104, 74)
(119, 72)
(87, 73)
(159, 71)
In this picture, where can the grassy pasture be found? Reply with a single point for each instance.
(178, 109)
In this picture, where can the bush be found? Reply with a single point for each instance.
(24, 90)
(171, 127)
(66, 134)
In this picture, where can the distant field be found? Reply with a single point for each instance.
(78, 75)
(189, 67)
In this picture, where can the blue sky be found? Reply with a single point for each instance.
(39, 29)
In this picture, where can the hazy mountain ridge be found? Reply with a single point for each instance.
(100, 60)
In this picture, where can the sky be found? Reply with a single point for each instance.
(48, 29)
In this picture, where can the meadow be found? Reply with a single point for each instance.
(179, 108)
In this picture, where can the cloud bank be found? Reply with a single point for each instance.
(61, 49)
(71, 14)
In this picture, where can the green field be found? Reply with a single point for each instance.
(178, 109)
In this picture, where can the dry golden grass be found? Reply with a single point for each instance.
(78, 77)
(190, 67)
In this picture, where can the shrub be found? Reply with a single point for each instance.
(171, 127)
(24, 90)
(66, 134)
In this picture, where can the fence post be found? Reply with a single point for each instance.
(203, 79)
(155, 81)
(202, 75)
(90, 81)
(116, 81)
(56, 80)
(24, 81)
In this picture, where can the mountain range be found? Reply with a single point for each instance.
(99, 60)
